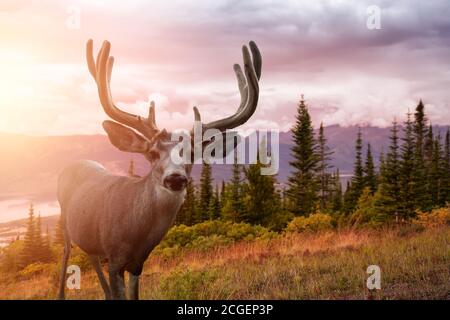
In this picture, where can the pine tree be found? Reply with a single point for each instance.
(214, 205)
(435, 172)
(39, 241)
(324, 157)
(388, 195)
(420, 185)
(303, 182)
(46, 248)
(337, 204)
(206, 193)
(381, 166)
(407, 200)
(430, 169)
(222, 194)
(28, 254)
(218, 204)
(58, 238)
(233, 206)
(262, 201)
(284, 200)
(347, 198)
(188, 210)
(428, 146)
(358, 170)
(420, 124)
(364, 210)
(357, 181)
(370, 178)
(445, 194)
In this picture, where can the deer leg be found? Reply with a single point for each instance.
(133, 287)
(101, 277)
(116, 280)
(65, 259)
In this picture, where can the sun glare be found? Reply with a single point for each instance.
(15, 84)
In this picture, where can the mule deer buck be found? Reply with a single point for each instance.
(123, 218)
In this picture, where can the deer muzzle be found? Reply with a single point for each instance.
(175, 182)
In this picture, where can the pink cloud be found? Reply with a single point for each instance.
(182, 53)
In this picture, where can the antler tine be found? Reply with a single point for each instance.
(242, 82)
(101, 71)
(90, 59)
(151, 116)
(257, 59)
(248, 88)
(197, 116)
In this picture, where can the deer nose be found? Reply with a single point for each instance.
(175, 182)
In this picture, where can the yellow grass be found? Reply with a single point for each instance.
(326, 266)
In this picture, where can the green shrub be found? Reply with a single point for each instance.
(36, 269)
(280, 220)
(314, 223)
(10, 260)
(210, 234)
(204, 243)
(79, 258)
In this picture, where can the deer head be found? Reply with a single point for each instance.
(133, 133)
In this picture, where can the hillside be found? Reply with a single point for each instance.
(331, 265)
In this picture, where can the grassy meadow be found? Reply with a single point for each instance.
(328, 265)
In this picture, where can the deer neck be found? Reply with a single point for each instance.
(158, 206)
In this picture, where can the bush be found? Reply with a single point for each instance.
(37, 269)
(204, 243)
(10, 257)
(314, 223)
(436, 218)
(210, 234)
(79, 258)
(370, 211)
(280, 220)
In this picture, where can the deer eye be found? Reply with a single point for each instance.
(153, 155)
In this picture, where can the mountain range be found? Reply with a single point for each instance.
(29, 165)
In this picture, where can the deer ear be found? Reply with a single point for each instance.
(124, 138)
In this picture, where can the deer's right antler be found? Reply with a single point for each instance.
(101, 70)
(248, 89)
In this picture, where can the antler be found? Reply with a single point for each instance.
(101, 70)
(248, 89)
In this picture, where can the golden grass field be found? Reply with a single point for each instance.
(332, 265)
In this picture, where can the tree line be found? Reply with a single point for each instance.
(413, 174)
(248, 197)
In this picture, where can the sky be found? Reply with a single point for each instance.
(180, 54)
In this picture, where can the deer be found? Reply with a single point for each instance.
(122, 218)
